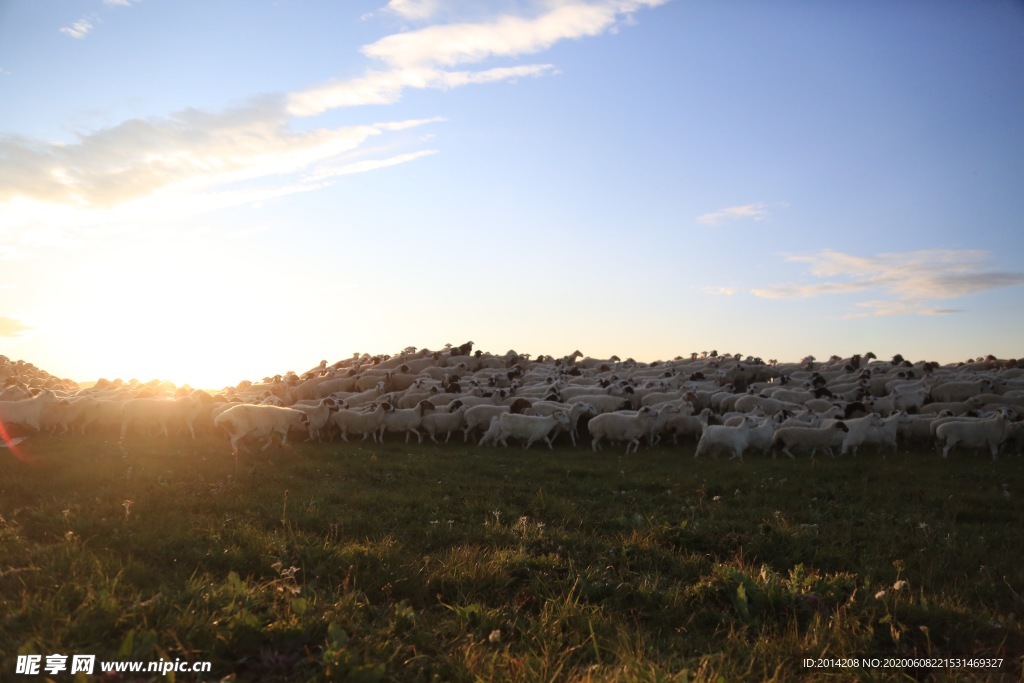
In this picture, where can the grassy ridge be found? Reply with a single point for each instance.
(364, 562)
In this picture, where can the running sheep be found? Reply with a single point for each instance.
(978, 433)
(619, 426)
(809, 438)
(245, 421)
(528, 428)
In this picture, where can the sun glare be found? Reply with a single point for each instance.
(153, 318)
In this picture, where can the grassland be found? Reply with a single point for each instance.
(419, 563)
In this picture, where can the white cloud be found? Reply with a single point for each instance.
(196, 160)
(414, 10)
(416, 59)
(79, 29)
(162, 169)
(879, 309)
(385, 87)
(367, 165)
(755, 212)
(909, 279)
(506, 36)
(718, 291)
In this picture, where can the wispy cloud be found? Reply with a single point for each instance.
(718, 291)
(414, 10)
(368, 165)
(9, 327)
(421, 58)
(755, 212)
(121, 3)
(193, 159)
(79, 29)
(386, 87)
(192, 150)
(506, 36)
(878, 309)
(908, 279)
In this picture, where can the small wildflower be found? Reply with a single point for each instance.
(717, 498)
(879, 595)
(495, 636)
(900, 585)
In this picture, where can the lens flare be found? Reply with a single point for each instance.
(12, 444)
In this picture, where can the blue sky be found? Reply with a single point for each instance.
(208, 192)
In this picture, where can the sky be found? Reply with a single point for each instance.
(210, 192)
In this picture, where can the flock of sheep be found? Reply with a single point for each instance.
(724, 403)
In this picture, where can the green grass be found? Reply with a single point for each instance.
(418, 563)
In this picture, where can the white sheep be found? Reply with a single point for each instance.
(258, 422)
(445, 422)
(529, 428)
(619, 426)
(813, 438)
(976, 433)
(691, 426)
(160, 413)
(480, 416)
(576, 411)
(961, 391)
(878, 433)
(761, 435)
(366, 421)
(356, 399)
(27, 412)
(404, 420)
(770, 406)
(317, 416)
(916, 429)
(717, 438)
(103, 414)
(856, 430)
(604, 403)
(68, 415)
